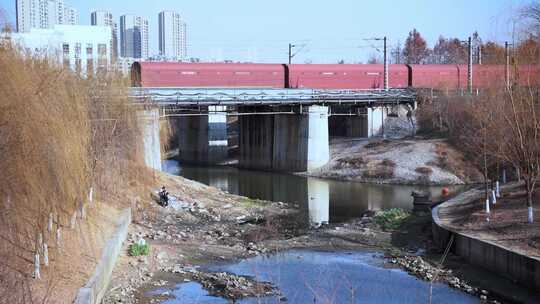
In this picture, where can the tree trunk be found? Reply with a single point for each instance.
(530, 212)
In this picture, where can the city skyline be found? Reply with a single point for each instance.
(244, 31)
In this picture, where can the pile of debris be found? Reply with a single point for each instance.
(226, 285)
(418, 267)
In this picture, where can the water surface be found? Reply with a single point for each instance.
(327, 277)
(324, 200)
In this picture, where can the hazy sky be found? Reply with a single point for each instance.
(256, 30)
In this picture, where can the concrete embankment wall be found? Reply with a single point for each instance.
(517, 267)
(149, 122)
(95, 288)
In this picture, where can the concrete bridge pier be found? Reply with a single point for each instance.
(202, 139)
(296, 141)
(375, 120)
(357, 122)
(149, 123)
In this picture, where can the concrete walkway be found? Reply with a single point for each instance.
(478, 249)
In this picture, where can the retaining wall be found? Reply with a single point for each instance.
(95, 288)
(517, 267)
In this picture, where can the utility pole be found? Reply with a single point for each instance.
(385, 59)
(469, 68)
(385, 65)
(480, 54)
(290, 52)
(507, 65)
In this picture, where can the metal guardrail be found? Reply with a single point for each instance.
(177, 96)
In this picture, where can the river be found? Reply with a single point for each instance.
(325, 201)
(310, 276)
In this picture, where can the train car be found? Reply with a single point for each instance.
(526, 75)
(346, 76)
(485, 76)
(436, 76)
(207, 75)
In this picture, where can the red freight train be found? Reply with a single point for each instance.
(208, 75)
(346, 76)
(324, 76)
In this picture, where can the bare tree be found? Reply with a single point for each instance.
(415, 50)
(532, 13)
(520, 144)
(374, 59)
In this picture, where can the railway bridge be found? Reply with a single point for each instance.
(271, 129)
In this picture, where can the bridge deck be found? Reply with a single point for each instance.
(255, 97)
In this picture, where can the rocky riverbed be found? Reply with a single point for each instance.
(209, 226)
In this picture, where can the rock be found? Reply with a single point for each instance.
(162, 255)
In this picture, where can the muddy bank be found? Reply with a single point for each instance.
(413, 161)
(206, 226)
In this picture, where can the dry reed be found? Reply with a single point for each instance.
(60, 136)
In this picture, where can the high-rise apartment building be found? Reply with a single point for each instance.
(71, 16)
(133, 37)
(44, 14)
(172, 36)
(104, 18)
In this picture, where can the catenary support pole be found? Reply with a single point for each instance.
(507, 64)
(480, 54)
(469, 68)
(386, 84)
(290, 52)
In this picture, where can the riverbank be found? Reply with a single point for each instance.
(501, 241)
(506, 224)
(207, 226)
(413, 161)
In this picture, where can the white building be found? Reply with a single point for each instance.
(71, 16)
(172, 36)
(105, 18)
(83, 48)
(133, 37)
(124, 65)
(44, 14)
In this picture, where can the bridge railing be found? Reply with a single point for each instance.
(239, 96)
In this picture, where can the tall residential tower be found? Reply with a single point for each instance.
(172, 36)
(44, 14)
(104, 18)
(133, 37)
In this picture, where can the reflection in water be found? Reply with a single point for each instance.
(318, 201)
(322, 200)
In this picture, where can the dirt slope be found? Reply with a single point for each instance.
(400, 161)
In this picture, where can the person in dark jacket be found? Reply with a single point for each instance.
(163, 197)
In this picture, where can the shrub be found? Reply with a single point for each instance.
(391, 219)
(382, 170)
(388, 163)
(424, 170)
(136, 249)
(355, 162)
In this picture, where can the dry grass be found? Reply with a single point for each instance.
(351, 162)
(60, 135)
(424, 170)
(381, 170)
(376, 144)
